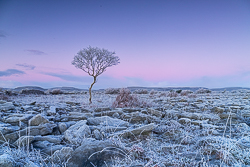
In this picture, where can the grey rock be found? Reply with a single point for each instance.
(5, 106)
(6, 160)
(24, 141)
(50, 138)
(7, 128)
(43, 129)
(62, 127)
(76, 133)
(47, 147)
(154, 112)
(16, 118)
(62, 156)
(218, 110)
(143, 130)
(97, 134)
(93, 151)
(77, 116)
(184, 121)
(31, 164)
(37, 120)
(52, 110)
(106, 120)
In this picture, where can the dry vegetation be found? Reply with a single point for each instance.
(201, 128)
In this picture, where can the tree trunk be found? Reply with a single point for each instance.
(90, 89)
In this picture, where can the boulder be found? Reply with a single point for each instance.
(154, 112)
(6, 160)
(76, 133)
(93, 151)
(106, 120)
(7, 128)
(77, 116)
(31, 164)
(24, 141)
(184, 121)
(47, 147)
(37, 120)
(16, 118)
(50, 138)
(6, 106)
(97, 134)
(52, 110)
(218, 110)
(62, 156)
(62, 127)
(143, 130)
(43, 129)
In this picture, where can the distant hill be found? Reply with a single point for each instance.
(132, 88)
(68, 89)
(29, 87)
(229, 88)
(166, 88)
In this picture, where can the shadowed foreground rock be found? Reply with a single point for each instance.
(94, 151)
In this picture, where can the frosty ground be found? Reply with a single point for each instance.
(153, 129)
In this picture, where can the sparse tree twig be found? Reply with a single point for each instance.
(94, 61)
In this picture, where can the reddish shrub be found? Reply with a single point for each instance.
(125, 99)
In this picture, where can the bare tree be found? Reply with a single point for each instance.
(94, 61)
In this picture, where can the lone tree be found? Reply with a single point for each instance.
(94, 61)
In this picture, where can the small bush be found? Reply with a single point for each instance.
(8, 92)
(152, 92)
(202, 91)
(163, 94)
(172, 94)
(125, 99)
(192, 95)
(178, 91)
(141, 91)
(186, 92)
(4, 97)
(56, 92)
(112, 91)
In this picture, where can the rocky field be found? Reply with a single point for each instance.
(119, 129)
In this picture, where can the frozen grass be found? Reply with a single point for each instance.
(181, 145)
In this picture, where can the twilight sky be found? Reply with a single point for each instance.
(160, 42)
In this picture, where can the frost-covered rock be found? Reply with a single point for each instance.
(62, 156)
(47, 147)
(16, 118)
(43, 129)
(107, 121)
(143, 130)
(52, 110)
(77, 116)
(91, 151)
(97, 134)
(56, 139)
(6, 160)
(184, 121)
(5, 106)
(7, 128)
(24, 141)
(218, 110)
(31, 164)
(62, 127)
(37, 120)
(154, 112)
(76, 133)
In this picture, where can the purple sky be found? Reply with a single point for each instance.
(160, 43)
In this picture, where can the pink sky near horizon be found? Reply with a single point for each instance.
(165, 43)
